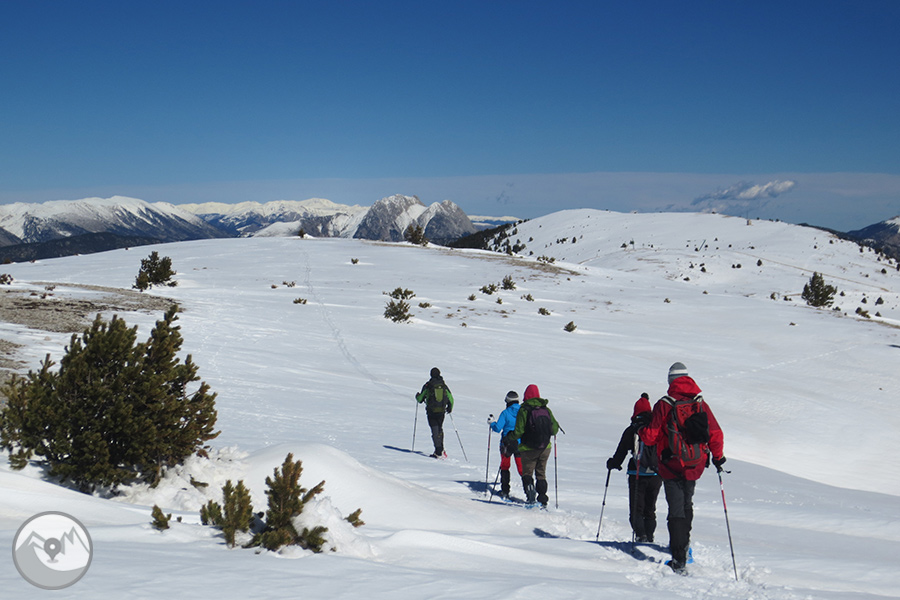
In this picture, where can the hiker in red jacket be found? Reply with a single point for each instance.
(683, 452)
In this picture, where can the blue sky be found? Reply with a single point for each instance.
(782, 110)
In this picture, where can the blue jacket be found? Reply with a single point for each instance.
(506, 422)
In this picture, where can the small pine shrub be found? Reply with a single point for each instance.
(160, 520)
(299, 300)
(471, 297)
(286, 501)
(415, 234)
(528, 298)
(353, 518)
(397, 311)
(543, 311)
(354, 261)
(211, 514)
(508, 283)
(489, 289)
(402, 294)
(570, 326)
(424, 305)
(237, 514)
(154, 271)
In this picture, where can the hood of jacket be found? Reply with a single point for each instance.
(532, 392)
(683, 387)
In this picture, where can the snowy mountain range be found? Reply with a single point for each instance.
(66, 227)
(40, 226)
(806, 398)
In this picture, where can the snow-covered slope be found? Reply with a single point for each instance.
(806, 397)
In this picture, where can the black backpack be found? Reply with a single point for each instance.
(538, 428)
(644, 456)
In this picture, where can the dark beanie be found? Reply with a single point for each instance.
(435, 372)
(512, 398)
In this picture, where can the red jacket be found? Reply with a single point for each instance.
(655, 433)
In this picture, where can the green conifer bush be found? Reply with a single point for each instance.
(154, 271)
(817, 293)
(114, 412)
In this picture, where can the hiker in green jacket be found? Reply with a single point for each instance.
(438, 401)
(535, 425)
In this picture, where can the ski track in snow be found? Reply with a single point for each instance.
(336, 331)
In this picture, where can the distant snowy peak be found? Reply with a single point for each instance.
(248, 218)
(313, 206)
(389, 218)
(884, 235)
(386, 220)
(32, 223)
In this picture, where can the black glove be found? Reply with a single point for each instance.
(719, 462)
(611, 464)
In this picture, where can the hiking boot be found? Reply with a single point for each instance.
(677, 566)
(644, 539)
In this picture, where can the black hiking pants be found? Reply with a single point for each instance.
(642, 510)
(680, 498)
(436, 423)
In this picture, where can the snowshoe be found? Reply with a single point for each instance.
(678, 567)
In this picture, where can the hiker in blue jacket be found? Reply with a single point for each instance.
(505, 423)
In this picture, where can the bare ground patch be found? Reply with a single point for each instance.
(50, 310)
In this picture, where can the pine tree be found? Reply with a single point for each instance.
(415, 234)
(115, 410)
(238, 511)
(817, 293)
(286, 501)
(160, 519)
(154, 271)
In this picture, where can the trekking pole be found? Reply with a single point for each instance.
(727, 525)
(493, 487)
(487, 466)
(605, 489)
(458, 438)
(555, 473)
(415, 425)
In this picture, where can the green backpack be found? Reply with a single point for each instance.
(437, 399)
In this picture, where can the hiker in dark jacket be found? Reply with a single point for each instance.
(534, 447)
(643, 480)
(438, 401)
(679, 481)
(505, 423)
